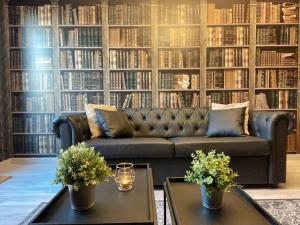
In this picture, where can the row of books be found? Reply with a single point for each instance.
(177, 13)
(290, 12)
(30, 15)
(34, 144)
(228, 57)
(30, 81)
(226, 97)
(130, 80)
(270, 78)
(238, 13)
(77, 101)
(129, 59)
(129, 37)
(33, 123)
(282, 99)
(79, 59)
(179, 99)
(80, 37)
(131, 100)
(129, 14)
(179, 81)
(37, 102)
(82, 15)
(81, 80)
(273, 36)
(30, 37)
(275, 58)
(31, 59)
(218, 36)
(180, 36)
(179, 58)
(269, 12)
(227, 79)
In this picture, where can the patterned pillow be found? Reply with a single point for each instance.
(216, 106)
(91, 117)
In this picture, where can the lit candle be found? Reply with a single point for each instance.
(125, 182)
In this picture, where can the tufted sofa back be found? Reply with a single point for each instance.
(179, 122)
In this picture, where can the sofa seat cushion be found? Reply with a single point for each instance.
(232, 146)
(140, 147)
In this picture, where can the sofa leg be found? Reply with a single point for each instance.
(274, 185)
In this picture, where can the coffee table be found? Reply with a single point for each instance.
(238, 208)
(111, 205)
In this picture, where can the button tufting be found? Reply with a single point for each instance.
(151, 128)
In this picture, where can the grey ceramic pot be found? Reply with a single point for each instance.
(82, 199)
(214, 201)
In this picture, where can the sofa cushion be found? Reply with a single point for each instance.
(232, 146)
(139, 147)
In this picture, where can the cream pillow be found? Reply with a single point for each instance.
(91, 117)
(216, 106)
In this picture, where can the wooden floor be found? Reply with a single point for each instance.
(31, 184)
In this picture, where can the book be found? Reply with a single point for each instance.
(227, 79)
(130, 80)
(179, 58)
(81, 80)
(131, 100)
(275, 58)
(228, 57)
(276, 78)
(80, 37)
(80, 59)
(179, 99)
(226, 97)
(276, 99)
(283, 35)
(189, 36)
(129, 59)
(33, 123)
(31, 59)
(178, 80)
(77, 101)
(34, 102)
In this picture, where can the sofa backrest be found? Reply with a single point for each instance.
(179, 122)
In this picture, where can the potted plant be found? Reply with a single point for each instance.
(213, 174)
(81, 169)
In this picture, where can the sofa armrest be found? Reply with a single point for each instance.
(273, 126)
(71, 129)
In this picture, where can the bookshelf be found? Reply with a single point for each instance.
(149, 53)
(276, 74)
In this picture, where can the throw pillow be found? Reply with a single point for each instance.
(226, 123)
(91, 117)
(113, 124)
(216, 106)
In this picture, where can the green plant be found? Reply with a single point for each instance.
(81, 166)
(212, 171)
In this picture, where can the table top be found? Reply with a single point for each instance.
(237, 208)
(111, 205)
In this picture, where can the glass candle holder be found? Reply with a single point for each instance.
(124, 176)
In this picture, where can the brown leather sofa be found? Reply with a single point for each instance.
(165, 138)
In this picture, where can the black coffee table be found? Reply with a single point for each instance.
(185, 207)
(111, 206)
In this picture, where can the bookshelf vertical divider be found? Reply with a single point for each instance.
(252, 53)
(105, 43)
(298, 91)
(7, 71)
(56, 60)
(154, 52)
(203, 51)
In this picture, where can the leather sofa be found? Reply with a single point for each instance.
(165, 138)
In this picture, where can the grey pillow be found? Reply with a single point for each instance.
(226, 123)
(113, 124)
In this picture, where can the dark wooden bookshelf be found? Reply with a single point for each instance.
(152, 24)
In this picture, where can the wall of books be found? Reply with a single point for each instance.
(149, 53)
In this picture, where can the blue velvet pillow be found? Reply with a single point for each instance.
(226, 123)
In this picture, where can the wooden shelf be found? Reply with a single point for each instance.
(130, 90)
(227, 89)
(228, 24)
(178, 25)
(31, 47)
(80, 47)
(34, 91)
(128, 25)
(287, 88)
(179, 47)
(30, 26)
(14, 112)
(146, 47)
(276, 24)
(31, 69)
(41, 133)
(275, 109)
(132, 69)
(276, 67)
(178, 90)
(79, 25)
(229, 46)
(227, 68)
(86, 69)
(191, 68)
(276, 46)
(80, 91)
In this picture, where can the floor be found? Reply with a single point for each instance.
(31, 184)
